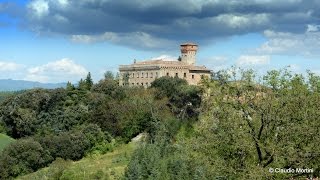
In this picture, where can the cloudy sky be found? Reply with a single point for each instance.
(61, 40)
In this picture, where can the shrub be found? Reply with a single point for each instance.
(22, 157)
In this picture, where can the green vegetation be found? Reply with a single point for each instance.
(75, 122)
(244, 129)
(228, 127)
(4, 141)
(108, 166)
(6, 94)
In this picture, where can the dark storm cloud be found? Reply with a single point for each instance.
(171, 21)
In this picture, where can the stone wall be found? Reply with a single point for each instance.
(146, 77)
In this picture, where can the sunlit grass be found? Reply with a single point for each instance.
(108, 166)
(4, 141)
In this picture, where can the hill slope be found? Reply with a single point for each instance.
(4, 141)
(16, 85)
(107, 166)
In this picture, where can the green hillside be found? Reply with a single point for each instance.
(225, 128)
(108, 166)
(4, 141)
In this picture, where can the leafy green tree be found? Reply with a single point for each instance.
(167, 86)
(107, 86)
(94, 134)
(67, 145)
(256, 124)
(184, 99)
(22, 157)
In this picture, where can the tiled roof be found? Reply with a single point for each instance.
(189, 43)
(163, 63)
(198, 68)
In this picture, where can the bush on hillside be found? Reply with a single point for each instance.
(22, 157)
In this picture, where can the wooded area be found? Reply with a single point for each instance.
(233, 126)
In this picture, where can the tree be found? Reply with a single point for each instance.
(89, 81)
(109, 75)
(107, 86)
(67, 145)
(82, 85)
(22, 157)
(184, 99)
(70, 86)
(262, 126)
(167, 86)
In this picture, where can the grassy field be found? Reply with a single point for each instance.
(107, 166)
(4, 141)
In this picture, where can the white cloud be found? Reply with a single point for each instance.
(58, 71)
(313, 28)
(134, 39)
(248, 60)
(306, 44)
(241, 21)
(63, 3)
(165, 57)
(61, 19)
(9, 66)
(215, 63)
(294, 68)
(39, 8)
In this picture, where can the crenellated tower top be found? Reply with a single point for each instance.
(188, 53)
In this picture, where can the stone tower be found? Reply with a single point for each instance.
(188, 53)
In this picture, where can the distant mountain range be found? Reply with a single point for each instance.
(16, 85)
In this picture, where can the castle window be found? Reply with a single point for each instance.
(167, 74)
(137, 84)
(156, 74)
(141, 84)
(147, 75)
(192, 76)
(151, 75)
(141, 75)
(147, 84)
(132, 75)
(184, 75)
(132, 84)
(137, 75)
(177, 75)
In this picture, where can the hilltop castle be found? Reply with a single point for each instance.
(145, 72)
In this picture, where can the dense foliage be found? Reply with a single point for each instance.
(229, 127)
(78, 120)
(247, 130)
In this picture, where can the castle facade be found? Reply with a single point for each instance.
(145, 72)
